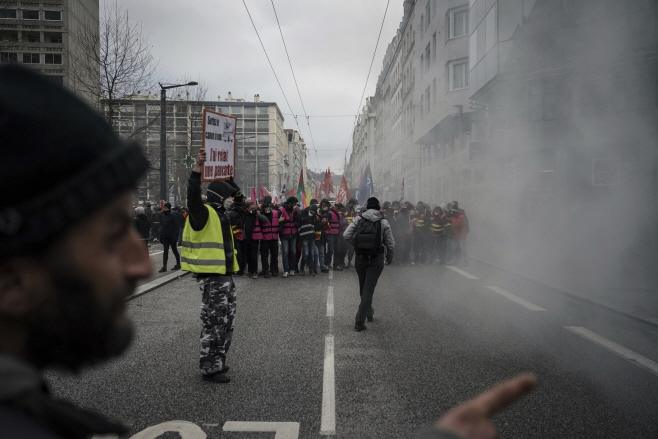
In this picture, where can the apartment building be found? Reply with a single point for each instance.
(567, 102)
(364, 149)
(446, 161)
(45, 35)
(395, 109)
(294, 160)
(260, 154)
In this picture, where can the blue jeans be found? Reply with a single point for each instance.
(320, 246)
(310, 256)
(289, 250)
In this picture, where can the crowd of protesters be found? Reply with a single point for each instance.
(310, 240)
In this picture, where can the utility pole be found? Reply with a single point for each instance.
(163, 137)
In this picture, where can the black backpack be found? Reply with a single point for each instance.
(368, 237)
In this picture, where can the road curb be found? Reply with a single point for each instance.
(574, 295)
(157, 283)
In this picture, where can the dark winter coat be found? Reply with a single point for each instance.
(143, 225)
(168, 225)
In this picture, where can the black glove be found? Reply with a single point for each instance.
(232, 183)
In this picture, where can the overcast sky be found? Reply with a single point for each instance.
(330, 42)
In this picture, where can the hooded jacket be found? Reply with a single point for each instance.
(387, 235)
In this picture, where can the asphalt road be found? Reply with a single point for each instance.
(439, 337)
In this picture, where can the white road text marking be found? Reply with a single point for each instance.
(531, 306)
(462, 272)
(627, 354)
(284, 430)
(187, 430)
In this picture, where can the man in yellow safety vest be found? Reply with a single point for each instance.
(209, 250)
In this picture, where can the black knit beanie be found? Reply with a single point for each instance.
(59, 160)
(373, 203)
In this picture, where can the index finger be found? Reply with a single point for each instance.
(503, 395)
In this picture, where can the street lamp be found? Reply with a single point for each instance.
(163, 135)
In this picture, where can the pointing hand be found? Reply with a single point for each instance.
(472, 419)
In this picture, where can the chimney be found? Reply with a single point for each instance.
(218, 98)
(256, 98)
(230, 97)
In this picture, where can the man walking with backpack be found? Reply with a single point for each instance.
(371, 236)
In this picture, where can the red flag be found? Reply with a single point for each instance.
(260, 195)
(266, 192)
(253, 194)
(327, 187)
(343, 192)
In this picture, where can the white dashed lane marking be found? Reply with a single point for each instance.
(328, 423)
(623, 352)
(462, 272)
(330, 302)
(524, 303)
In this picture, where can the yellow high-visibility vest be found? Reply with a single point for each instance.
(203, 251)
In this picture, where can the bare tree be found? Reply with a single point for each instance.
(122, 66)
(185, 147)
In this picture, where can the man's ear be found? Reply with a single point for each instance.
(22, 287)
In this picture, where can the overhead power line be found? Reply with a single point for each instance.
(296, 85)
(358, 110)
(331, 115)
(269, 61)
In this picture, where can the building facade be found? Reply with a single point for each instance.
(364, 151)
(294, 160)
(260, 153)
(566, 101)
(45, 35)
(395, 110)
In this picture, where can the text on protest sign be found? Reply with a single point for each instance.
(219, 143)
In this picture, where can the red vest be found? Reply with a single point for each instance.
(256, 234)
(289, 227)
(333, 222)
(271, 230)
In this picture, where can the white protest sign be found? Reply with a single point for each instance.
(219, 143)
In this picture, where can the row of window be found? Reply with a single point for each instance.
(32, 58)
(30, 14)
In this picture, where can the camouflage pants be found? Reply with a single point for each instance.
(217, 318)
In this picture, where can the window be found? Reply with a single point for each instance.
(422, 23)
(53, 58)
(33, 39)
(434, 92)
(428, 50)
(8, 13)
(263, 110)
(434, 47)
(426, 96)
(422, 64)
(427, 14)
(605, 172)
(8, 57)
(52, 15)
(458, 23)
(30, 14)
(477, 151)
(263, 124)
(458, 75)
(31, 58)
